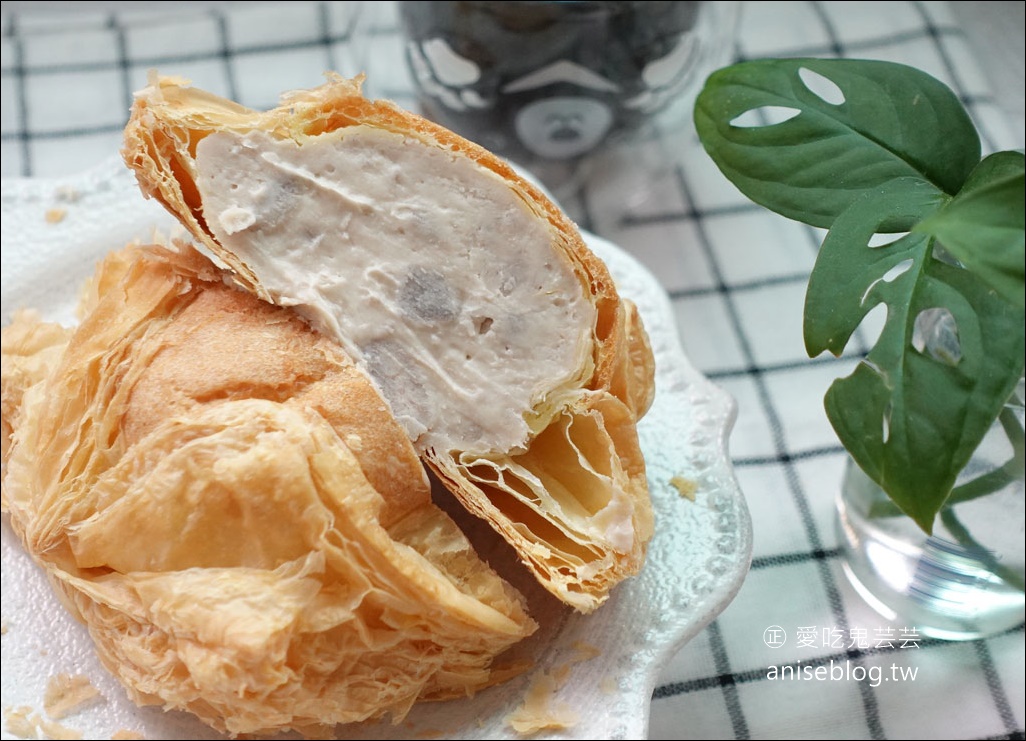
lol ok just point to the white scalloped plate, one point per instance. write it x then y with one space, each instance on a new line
696 562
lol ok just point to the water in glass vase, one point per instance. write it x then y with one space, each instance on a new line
966 580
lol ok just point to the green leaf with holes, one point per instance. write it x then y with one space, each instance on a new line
949 355
894 122
869 148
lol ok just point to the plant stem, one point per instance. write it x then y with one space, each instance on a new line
977 551
988 483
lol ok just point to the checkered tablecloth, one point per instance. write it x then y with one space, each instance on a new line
736 276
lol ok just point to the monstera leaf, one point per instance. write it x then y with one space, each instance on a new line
866 149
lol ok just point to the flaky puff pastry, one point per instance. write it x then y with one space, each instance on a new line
227 504
461 283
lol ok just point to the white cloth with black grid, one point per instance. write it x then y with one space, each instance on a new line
736 276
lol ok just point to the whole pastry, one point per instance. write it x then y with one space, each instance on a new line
496 337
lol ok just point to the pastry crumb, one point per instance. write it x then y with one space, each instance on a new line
66 193
18 721
560 674
608 686
126 734
21 721
541 709
585 651
67 693
55 215
686 487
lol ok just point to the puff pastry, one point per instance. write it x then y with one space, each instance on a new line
496 336
227 503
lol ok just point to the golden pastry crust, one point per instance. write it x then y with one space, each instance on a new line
228 505
30 349
573 498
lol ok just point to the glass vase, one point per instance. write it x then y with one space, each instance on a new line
965 581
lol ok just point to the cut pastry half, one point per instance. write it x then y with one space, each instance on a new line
496 336
226 502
